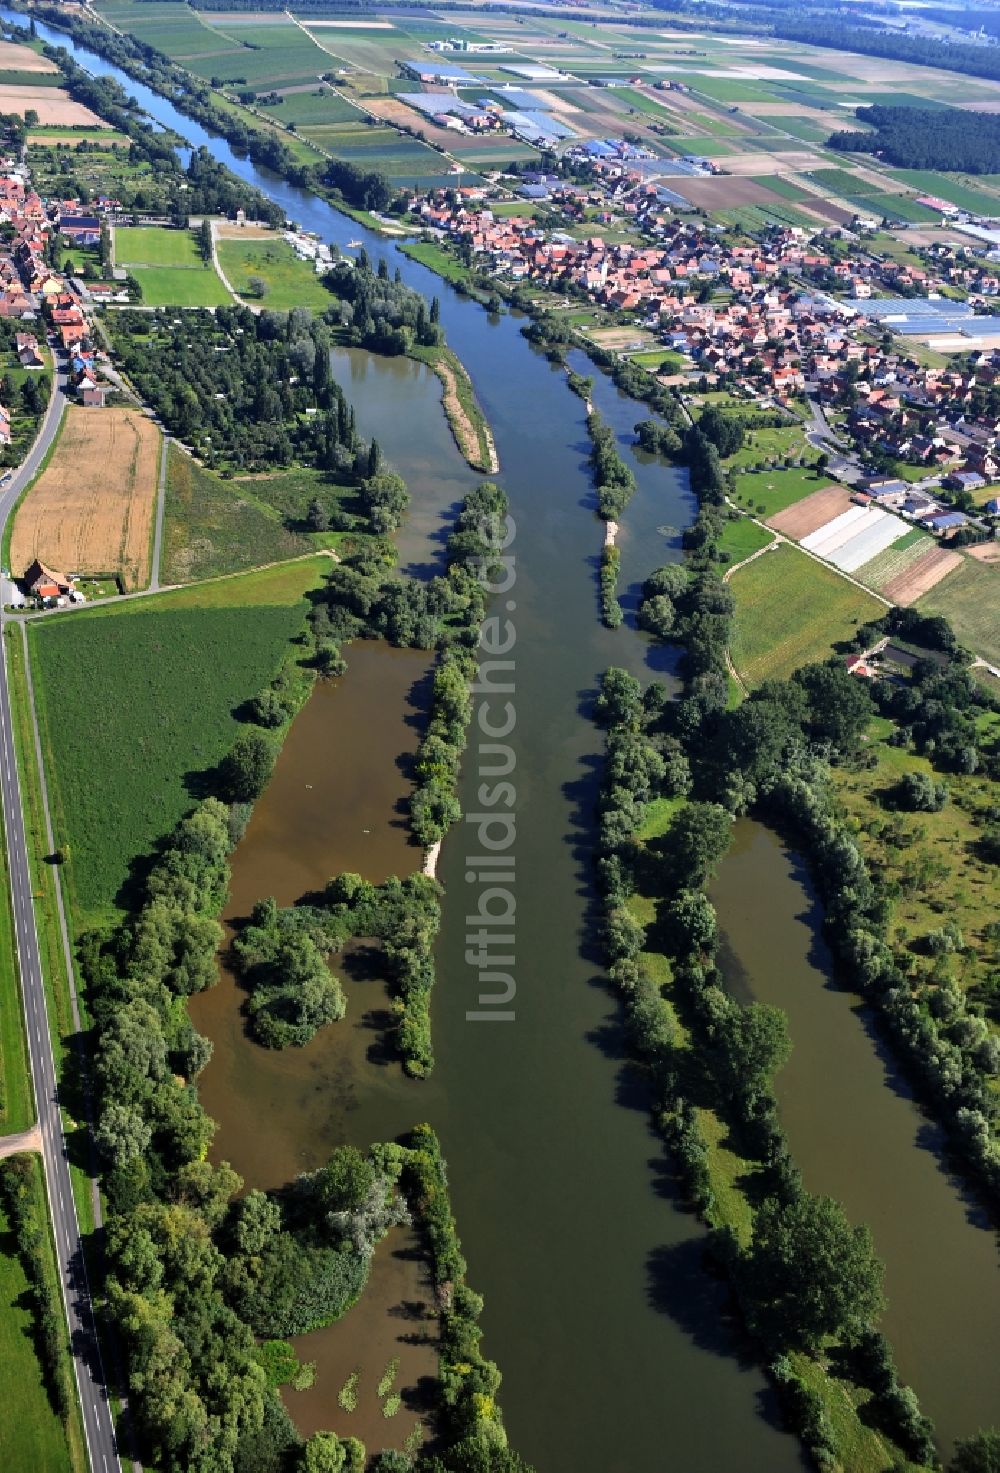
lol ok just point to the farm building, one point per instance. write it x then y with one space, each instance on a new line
44 582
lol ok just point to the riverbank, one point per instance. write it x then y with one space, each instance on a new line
468 423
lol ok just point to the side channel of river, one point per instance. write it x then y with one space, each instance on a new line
614 1344
857 1134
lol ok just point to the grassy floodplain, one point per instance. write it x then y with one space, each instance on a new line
214 526
153 685
289 282
930 860
790 611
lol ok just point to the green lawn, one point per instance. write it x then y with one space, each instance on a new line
658 358
771 443
790 611
741 538
32 1438
970 599
155 245
180 286
153 685
289 281
214 526
168 267
768 492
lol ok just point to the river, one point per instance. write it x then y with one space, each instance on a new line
615 1346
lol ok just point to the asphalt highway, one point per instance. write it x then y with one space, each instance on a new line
97 1420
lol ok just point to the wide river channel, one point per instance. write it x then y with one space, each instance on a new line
616 1347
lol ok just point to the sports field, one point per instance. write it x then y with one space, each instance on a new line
91 510
152 686
168 267
790 611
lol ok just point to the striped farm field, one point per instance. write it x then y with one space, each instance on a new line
923 575
894 561
812 512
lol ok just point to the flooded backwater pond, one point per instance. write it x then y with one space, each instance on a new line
337 801
857 1135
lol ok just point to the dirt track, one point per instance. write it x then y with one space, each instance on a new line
91 509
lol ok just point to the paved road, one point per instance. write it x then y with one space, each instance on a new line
97 1421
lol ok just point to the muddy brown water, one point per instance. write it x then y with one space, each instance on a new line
336 801
394 1320
858 1136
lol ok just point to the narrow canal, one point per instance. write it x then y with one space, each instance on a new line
614 1344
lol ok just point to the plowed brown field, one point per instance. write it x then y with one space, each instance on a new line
91 509
812 512
922 576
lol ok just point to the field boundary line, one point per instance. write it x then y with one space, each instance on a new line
161 503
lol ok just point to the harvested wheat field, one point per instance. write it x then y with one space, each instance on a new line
788 161
15 58
812 512
922 576
52 105
985 552
91 509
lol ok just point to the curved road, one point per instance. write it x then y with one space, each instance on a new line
97 1421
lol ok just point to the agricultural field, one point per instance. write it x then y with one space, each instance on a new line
790 611
91 509
947 186
918 577
168 268
152 685
214 526
891 564
32 1437
804 517
289 281
51 104
969 598
17 58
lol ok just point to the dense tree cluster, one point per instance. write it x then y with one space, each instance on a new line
380 311
248 390
21 1200
926 138
281 955
615 480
